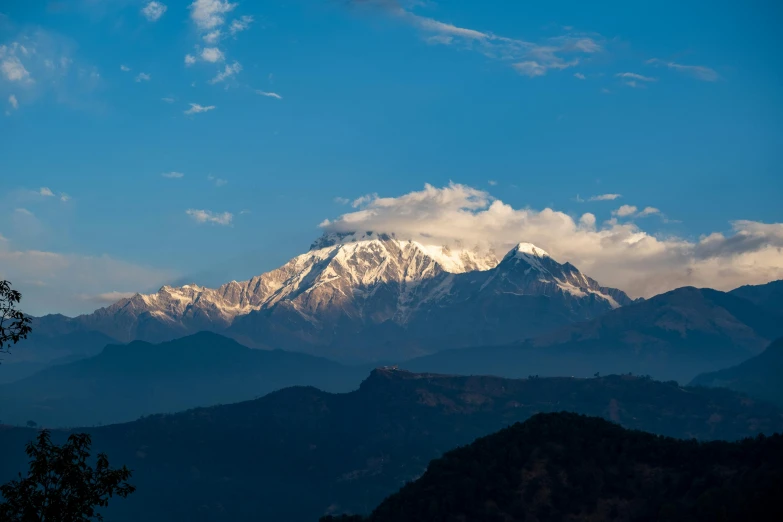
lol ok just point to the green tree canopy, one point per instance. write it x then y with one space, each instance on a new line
14 325
60 485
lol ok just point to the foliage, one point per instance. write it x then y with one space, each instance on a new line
14 325
298 453
60 485
564 466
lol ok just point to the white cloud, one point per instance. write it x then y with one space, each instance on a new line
648 211
23 212
605 197
634 77
219 182
492 182
168 100
153 11
12 101
124 68
212 54
228 72
619 255
208 14
212 36
697 71
54 282
189 60
173 175
107 298
43 63
143 77
528 58
363 200
46 191
342 201
625 211
240 24
530 68
207 216
195 108
579 76
13 69
64 197
270 94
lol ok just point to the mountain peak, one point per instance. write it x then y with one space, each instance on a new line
527 249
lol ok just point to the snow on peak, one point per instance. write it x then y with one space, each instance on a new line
528 249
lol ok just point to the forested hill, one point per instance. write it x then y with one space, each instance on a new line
564 466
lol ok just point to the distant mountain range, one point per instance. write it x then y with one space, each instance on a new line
124 382
760 377
768 296
299 453
563 466
366 297
675 335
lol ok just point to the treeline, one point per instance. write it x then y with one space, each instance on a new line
562 466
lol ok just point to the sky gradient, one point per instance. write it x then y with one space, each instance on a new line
162 142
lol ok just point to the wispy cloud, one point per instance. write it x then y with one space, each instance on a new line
124 68
46 192
143 77
240 24
697 71
195 108
189 60
13 102
228 72
269 94
208 14
219 182
630 78
492 182
107 298
212 54
528 58
168 99
579 76
35 63
605 197
207 216
12 67
341 200
212 36
153 11
173 175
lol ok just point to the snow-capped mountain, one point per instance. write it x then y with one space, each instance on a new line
370 296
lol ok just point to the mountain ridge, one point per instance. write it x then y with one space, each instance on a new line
298 453
351 292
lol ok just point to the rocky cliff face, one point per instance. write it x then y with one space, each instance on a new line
372 296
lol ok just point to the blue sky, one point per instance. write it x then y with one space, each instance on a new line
539 104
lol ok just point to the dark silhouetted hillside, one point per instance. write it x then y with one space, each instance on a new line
124 382
760 377
675 335
768 296
299 453
563 466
